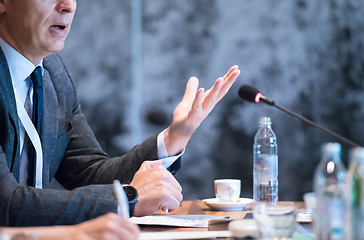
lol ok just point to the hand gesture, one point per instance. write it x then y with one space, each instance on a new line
194 108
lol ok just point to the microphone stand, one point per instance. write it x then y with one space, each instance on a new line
325 130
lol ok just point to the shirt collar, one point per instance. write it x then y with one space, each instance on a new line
20 67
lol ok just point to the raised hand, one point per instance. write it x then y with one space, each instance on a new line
194 108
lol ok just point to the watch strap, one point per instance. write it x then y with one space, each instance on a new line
132 195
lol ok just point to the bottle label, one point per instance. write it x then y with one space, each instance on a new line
336 220
266 177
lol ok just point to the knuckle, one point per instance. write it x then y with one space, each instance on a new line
110 215
165 176
164 193
180 198
174 206
160 168
109 225
135 228
104 235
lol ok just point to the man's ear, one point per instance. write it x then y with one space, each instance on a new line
2 6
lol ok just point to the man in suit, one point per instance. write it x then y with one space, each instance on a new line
31 31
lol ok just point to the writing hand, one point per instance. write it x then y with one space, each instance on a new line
157 189
107 227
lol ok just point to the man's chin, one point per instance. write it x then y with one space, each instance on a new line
54 48
58 47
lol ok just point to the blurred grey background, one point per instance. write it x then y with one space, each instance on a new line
131 60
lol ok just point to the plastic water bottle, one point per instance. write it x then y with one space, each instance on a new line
354 204
265 171
329 185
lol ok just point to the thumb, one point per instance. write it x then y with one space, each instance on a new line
146 165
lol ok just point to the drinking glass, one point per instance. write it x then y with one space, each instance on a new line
275 221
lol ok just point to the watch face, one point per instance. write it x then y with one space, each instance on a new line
131 192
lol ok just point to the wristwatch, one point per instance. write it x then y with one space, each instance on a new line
132 195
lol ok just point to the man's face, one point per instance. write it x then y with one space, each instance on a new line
36 28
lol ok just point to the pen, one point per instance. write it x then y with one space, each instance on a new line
166 210
121 199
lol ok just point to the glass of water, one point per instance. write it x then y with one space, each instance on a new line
275 221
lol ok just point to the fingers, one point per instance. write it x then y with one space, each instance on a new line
230 71
210 99
211 96
121 229
170 195
169 178
230 78
219 89
157 188
108 227
127 230
197 102
117 227
163 176
171 204
146 165
170 192
191 89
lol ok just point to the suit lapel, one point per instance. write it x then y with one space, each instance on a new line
7 102
49 124
49 120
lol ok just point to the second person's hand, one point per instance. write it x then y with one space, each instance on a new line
107 227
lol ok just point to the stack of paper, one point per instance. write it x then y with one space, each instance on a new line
176 220
183 235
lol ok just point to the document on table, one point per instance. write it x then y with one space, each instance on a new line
183 235
176 220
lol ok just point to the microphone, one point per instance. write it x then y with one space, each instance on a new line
252 94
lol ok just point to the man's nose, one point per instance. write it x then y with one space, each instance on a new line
68 6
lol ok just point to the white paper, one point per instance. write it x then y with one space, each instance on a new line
183 235
176 220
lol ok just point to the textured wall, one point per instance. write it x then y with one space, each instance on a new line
307 55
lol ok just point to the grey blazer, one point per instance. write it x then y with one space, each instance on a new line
71 154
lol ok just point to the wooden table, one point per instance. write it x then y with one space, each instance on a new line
199 207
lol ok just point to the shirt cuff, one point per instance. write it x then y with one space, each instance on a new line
167 161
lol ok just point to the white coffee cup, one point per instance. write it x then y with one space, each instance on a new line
227 190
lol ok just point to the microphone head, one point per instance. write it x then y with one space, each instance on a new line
249 94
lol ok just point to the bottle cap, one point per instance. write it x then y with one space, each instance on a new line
331 147
265 120
244 228
357 154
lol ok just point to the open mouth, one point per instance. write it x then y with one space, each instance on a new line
60 27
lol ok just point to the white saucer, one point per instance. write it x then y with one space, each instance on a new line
304 217
227 206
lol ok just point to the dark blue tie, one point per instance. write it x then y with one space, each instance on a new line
36 78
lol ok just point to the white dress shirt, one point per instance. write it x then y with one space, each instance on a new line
20 68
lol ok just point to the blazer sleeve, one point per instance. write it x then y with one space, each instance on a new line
84 161
84 169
